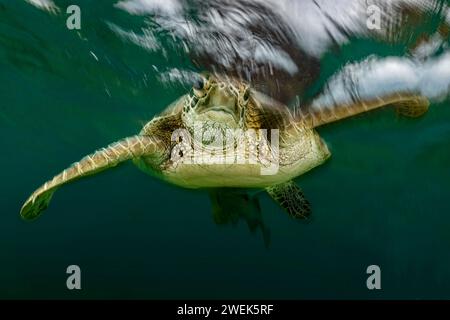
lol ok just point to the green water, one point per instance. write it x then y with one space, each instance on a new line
382 199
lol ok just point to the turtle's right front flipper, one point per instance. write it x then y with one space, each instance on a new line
103 159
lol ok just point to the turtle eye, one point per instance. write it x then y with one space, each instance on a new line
246 95
199 83
199 87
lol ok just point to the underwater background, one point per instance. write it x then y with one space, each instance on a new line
383 197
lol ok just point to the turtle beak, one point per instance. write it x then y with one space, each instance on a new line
220 101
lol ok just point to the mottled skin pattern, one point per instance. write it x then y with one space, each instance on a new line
219 104
290 197
255 111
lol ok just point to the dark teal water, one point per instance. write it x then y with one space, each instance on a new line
382 199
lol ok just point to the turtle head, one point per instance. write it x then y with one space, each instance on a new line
217 102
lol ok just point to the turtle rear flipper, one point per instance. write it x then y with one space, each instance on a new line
291 198
103 159
230 205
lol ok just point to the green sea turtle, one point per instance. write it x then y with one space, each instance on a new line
169 147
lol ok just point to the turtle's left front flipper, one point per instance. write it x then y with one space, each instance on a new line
408 105
372 84
291 198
